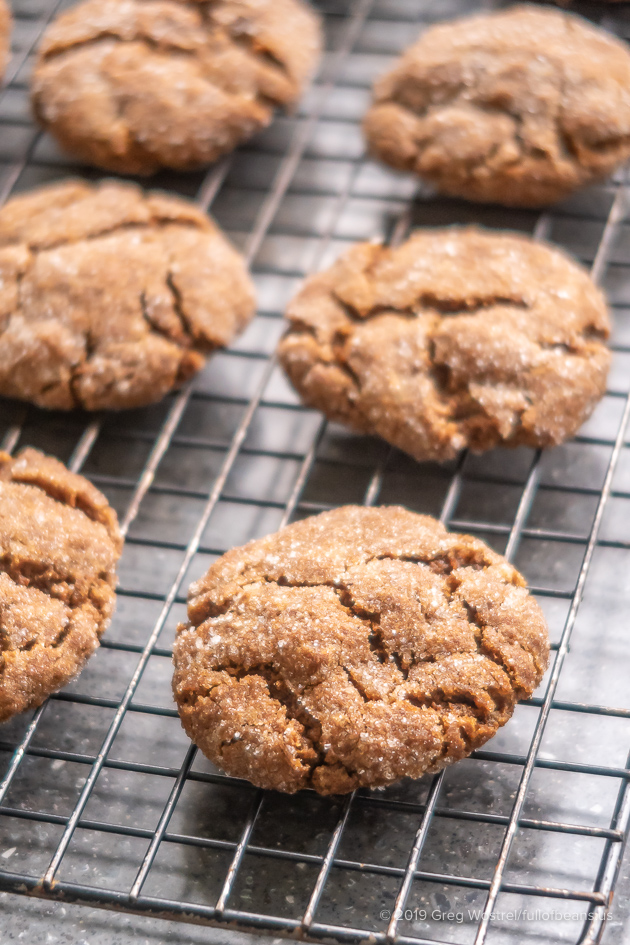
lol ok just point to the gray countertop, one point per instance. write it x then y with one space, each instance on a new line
36 922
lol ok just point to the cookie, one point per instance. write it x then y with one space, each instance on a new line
520 107
110 297
457 338
352 649
5 36
136 85
59 545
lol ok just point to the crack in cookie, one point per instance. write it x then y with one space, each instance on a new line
519 107
457 338
353 649
110 297
135 85
59 545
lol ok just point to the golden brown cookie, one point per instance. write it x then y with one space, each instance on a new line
352 649
519 107
135 85
457 338
5 36
110 297
59 545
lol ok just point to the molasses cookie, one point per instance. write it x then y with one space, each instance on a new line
135 85
5 36
457 338
519 107
110 297
352 649
59 545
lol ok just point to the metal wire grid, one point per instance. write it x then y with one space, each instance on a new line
233 456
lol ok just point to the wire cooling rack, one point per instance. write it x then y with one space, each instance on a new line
103 799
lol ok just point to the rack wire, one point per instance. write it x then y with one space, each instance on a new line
103 801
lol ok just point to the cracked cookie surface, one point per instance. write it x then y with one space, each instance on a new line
457 338
519 107
59 545
135 85
110 297
5 36
352 649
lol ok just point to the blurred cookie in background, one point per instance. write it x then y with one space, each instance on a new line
5 36
520 107
135 85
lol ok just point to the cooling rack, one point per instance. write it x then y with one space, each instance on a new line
104 802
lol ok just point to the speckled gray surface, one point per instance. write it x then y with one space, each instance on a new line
36 922
335 196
